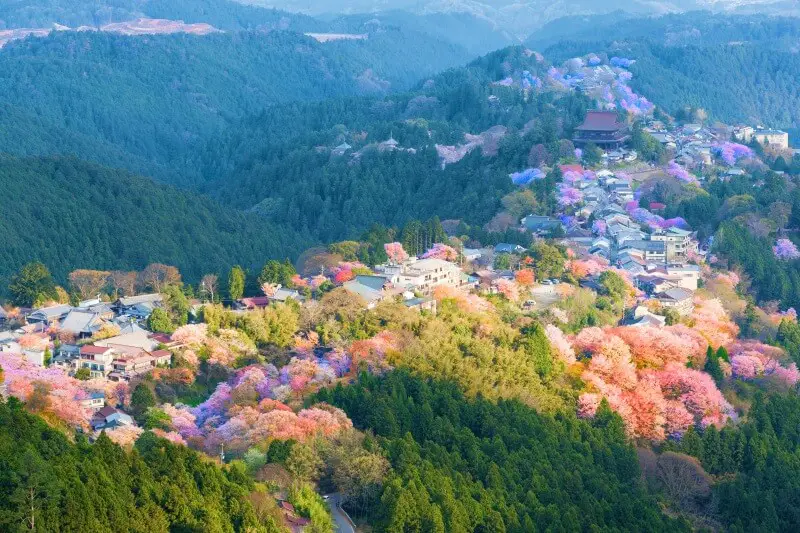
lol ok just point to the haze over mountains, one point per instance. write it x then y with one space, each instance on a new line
521 17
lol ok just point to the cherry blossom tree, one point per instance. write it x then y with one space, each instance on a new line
786 250
441 251
395 252
467 302
125 436
712 321
560 344
508 288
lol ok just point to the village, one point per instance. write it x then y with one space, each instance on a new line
601 224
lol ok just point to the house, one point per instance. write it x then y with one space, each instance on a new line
686 276
601 246
82 324
95 305
128 367
131 340
252 303
49 315
426 274
773 138
95 401
139 307
282 295
622 191
678 298
655 251
623 234
631 264
734 172
654 284
664 138
678 243
340 150
537 224
602 129
692 129
643 317
505 248
66 357
35 357
471 254
108 418
372 289
421 304
389 145
98 359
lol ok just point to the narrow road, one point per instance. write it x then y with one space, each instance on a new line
340 518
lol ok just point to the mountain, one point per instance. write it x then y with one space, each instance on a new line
71 214
224 14
147 102
521 18
687 60
283 164
698 28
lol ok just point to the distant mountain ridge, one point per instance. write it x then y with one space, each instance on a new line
521 17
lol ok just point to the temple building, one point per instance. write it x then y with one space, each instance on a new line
602 129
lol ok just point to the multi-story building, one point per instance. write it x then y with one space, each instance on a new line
423 275
678 243
98 359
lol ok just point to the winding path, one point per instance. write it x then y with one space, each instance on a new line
343 522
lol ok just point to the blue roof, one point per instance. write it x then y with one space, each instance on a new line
504 247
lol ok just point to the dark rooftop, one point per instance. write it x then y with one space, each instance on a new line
601 121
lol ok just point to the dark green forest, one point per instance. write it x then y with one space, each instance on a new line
70 214
149 102
757 464
472 465
273 163
48 483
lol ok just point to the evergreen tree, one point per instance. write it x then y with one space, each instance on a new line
236 283
32 286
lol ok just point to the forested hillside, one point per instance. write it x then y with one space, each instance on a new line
48 483
698 28
67 213
148 102
280 163
525 472
223 14
688 60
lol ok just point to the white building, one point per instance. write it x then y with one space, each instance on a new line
424 275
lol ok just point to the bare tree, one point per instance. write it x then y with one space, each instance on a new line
684 480
88 283
157 276
210 285
123 283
